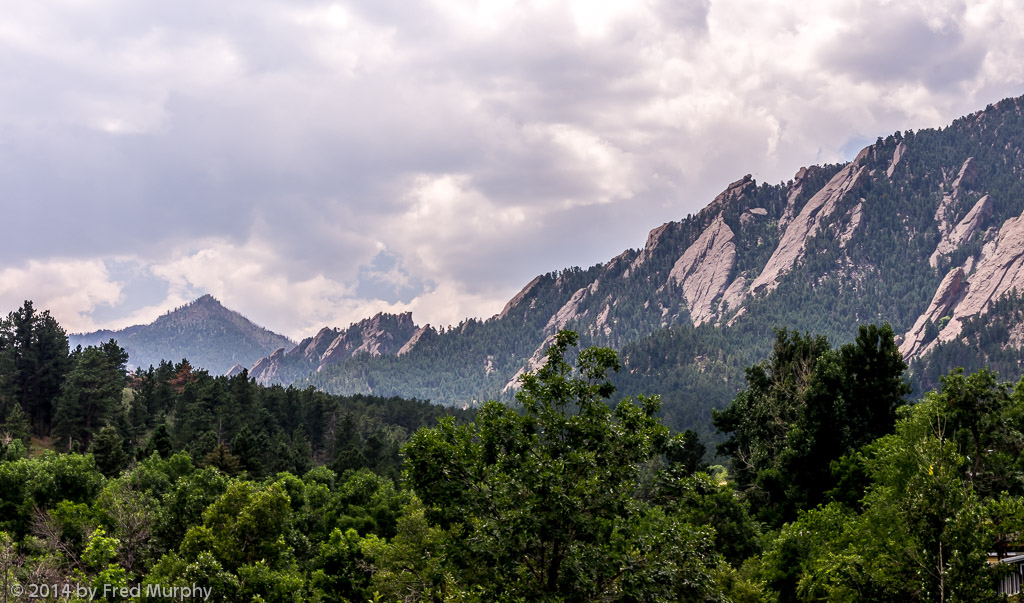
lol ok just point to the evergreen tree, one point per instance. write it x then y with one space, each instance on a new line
108 451
91 394
221 458
36 351
160 442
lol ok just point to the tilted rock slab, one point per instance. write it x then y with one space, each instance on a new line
806 224
999 270
949 292
704 269
963 231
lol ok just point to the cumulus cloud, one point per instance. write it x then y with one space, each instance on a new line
269 152
70 289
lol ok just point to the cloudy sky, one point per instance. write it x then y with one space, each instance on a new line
312 163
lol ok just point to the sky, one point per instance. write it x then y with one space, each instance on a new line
314 163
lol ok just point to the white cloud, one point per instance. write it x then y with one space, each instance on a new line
264 152
69 289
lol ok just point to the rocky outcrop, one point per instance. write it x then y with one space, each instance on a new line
316 346
856 215
653 240
946 296
806 224
794 191
897 155
266 370
519 297
752 214
945 212
535 362
703 270
655 237
966 176
568 312
382 334
1015 338
963 231
408 346
601 323
234 371
731 192
734 294
999 270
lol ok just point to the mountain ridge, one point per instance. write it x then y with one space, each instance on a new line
871 240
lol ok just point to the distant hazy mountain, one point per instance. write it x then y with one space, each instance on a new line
209 335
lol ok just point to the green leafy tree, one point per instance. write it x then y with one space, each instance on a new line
245 525
805 408
542 501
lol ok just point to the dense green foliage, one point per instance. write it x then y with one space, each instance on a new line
193 479
545 500
803 409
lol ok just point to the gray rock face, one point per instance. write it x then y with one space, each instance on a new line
519 297
946 210
653 240
409 345
970 290
749 215
704 269
856 215
734 294
314 348
963 231
794 191
999 270
733 191
897 155
567 312
805 225
946 296
382 334
265 370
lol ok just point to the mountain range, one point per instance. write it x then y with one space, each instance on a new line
923 230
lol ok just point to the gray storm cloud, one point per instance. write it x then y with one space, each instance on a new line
313 162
